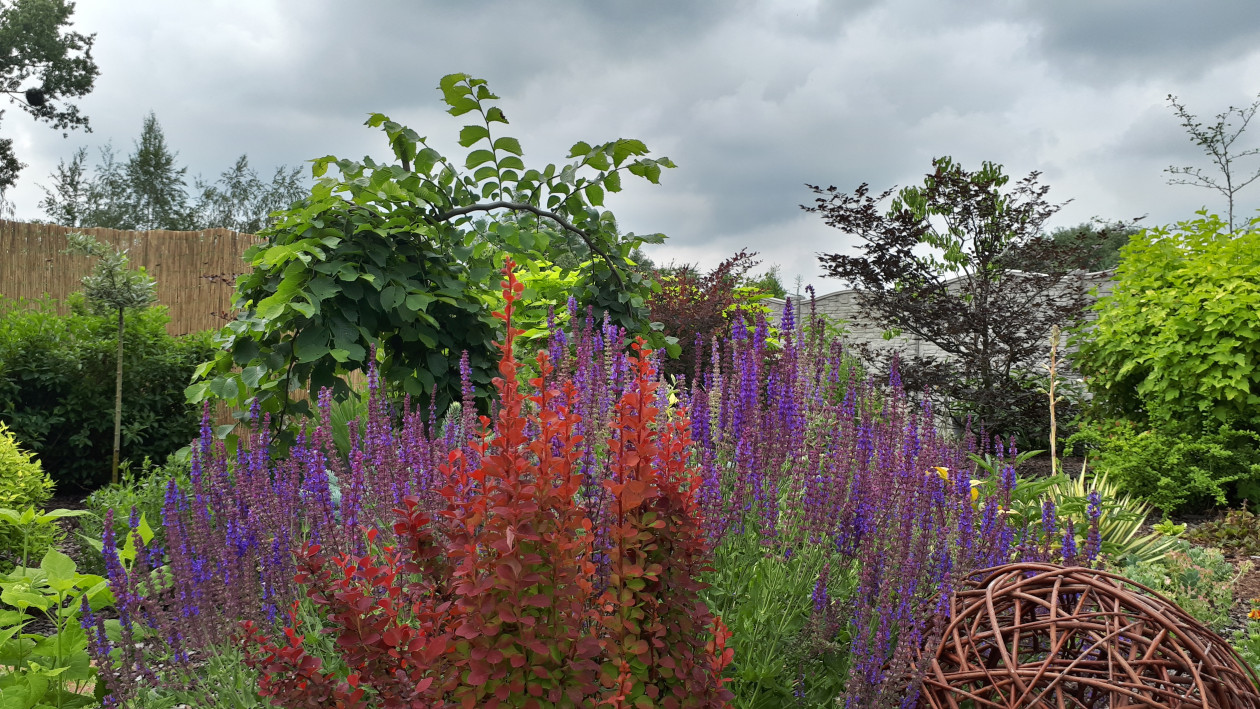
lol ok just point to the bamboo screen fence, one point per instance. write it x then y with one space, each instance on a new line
195 270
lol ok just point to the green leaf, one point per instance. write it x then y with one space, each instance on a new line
425 160
579 149
478 157
595 195
472 134
22 598
612 182
252 375
598 160
508 145
625 148
51 515
59 567
310 344
419 301
461 106
495 115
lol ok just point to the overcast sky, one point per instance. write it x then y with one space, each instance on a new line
751 99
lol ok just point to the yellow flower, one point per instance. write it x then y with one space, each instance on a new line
975 484
1254 614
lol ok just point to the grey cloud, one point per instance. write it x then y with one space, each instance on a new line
1119 40
751 98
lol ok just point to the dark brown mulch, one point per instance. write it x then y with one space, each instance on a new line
1039 466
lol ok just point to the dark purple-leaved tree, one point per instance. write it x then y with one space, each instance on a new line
932 266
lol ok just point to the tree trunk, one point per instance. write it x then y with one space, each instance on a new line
113 476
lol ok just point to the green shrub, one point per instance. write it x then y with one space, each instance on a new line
1198 579
1175 472
1176 344
23 484
57 386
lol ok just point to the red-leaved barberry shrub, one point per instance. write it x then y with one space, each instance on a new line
497 600
694 306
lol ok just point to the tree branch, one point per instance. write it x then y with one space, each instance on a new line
538 211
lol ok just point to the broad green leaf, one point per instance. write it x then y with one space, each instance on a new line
612 182
508 145
625 148
595 194
252 375
419 301
21 597
61 514
472 134
58 566
310 344
477 157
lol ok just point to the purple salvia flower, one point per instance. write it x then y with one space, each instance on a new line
1049 526
1069 543
1093 540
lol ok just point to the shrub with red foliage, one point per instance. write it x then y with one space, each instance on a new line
493 600
694 306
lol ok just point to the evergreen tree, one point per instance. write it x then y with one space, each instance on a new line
147 190
155 184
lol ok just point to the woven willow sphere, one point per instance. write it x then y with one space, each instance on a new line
1041 635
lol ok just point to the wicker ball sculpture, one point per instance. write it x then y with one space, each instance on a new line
1041 635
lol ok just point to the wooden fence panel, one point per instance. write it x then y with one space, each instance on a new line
195 270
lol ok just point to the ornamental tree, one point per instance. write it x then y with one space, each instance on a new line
992 325
696 307
113 287
402 254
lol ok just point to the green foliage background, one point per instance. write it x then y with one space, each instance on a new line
404 256
1174 471
23 483
1177 343
57 386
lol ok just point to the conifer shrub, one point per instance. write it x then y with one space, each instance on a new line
1174 471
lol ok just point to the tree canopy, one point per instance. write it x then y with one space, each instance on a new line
149 190
402 256
43 66
993 324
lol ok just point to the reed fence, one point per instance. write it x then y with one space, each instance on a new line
195 270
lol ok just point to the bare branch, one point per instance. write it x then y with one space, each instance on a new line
537 211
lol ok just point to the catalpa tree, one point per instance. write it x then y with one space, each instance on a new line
403 255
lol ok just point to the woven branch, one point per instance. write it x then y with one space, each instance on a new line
1041 635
